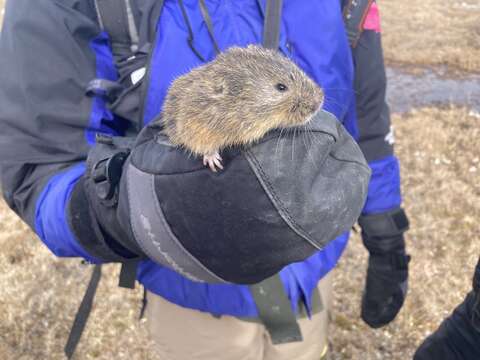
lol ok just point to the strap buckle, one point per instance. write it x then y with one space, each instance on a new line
109 90
106 175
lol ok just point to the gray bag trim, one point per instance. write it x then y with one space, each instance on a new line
155 236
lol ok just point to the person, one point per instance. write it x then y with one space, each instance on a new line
458 336
53 50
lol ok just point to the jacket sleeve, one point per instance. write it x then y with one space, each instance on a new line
373 120
50 51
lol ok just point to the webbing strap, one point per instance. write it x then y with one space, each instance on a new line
128 274
116 18
148 24
354 13
275 311
83 312
208 22
271 28
273 305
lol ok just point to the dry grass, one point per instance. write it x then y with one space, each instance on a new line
432 32
40 295
440 161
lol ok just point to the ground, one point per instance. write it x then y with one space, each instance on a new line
440 159
432 33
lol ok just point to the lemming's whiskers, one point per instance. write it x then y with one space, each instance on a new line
279 139
308 147
293 142
340 89
332 100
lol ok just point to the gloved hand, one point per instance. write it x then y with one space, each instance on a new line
458 337
387 274
146 199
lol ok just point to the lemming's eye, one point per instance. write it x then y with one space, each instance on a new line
281 87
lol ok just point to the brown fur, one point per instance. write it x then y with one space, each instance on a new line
234 100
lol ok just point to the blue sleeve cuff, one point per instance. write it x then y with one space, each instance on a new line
51 222
384 192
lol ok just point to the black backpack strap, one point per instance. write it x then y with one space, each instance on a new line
271 27
273 305
83 312
128 274
208 22
275 311
127 280
355 13
148 25
116 17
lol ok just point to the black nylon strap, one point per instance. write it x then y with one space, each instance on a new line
317 306
148 24
275 311
83 312
208 22
271 28
354 13
116 18
273 305
128 274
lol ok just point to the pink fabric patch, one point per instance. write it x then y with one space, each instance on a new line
372 21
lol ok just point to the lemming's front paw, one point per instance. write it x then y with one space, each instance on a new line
213 161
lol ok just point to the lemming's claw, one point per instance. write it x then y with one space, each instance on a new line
213 161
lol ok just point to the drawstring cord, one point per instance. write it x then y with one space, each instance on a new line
208 22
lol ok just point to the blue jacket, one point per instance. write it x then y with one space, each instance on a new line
37 184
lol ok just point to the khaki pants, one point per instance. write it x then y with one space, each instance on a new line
185 334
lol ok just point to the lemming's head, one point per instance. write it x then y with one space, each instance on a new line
271 85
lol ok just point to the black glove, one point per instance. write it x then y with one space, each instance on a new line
458 337
146 199
387 274
94 203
